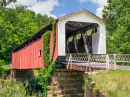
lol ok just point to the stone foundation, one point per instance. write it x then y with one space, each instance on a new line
23 74
66 83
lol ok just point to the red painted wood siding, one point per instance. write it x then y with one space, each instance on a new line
28 57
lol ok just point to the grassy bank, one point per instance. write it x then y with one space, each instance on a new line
20 88
115 83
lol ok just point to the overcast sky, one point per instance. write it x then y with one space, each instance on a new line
58 8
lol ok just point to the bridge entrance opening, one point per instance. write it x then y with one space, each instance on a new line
79 36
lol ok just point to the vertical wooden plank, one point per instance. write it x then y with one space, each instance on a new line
17 61
37 53
21 56
26 57
39 57
32 56
29 58
13 58
34 53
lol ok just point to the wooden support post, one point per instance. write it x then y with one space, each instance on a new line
68 46
70 60
115 61
75 43
85 42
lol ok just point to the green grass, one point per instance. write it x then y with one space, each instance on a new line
115 83
11 89
26 88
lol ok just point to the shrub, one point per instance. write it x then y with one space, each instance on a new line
2 62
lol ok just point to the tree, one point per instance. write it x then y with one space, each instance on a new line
6 2
16 26
117 14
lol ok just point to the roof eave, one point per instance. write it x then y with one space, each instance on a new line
32 36
80 11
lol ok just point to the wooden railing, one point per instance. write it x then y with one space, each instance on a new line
98 58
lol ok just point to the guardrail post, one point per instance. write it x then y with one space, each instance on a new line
115 61
70 60
107 62
89 62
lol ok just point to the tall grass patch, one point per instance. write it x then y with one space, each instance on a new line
115 83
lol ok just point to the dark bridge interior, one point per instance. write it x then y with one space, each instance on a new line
79 36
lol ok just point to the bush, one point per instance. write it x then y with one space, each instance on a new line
4 70
2 62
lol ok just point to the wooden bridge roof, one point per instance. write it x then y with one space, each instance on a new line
84 11
73 27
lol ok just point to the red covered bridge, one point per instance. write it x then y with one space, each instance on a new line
28 55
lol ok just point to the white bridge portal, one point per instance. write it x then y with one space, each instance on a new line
90 29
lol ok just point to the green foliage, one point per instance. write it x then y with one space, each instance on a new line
89 32
95 91
46 48
88 85
46 74
117 14
2 62
4 70
20 88
16 26
78 36
54 41
6 2
70 38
